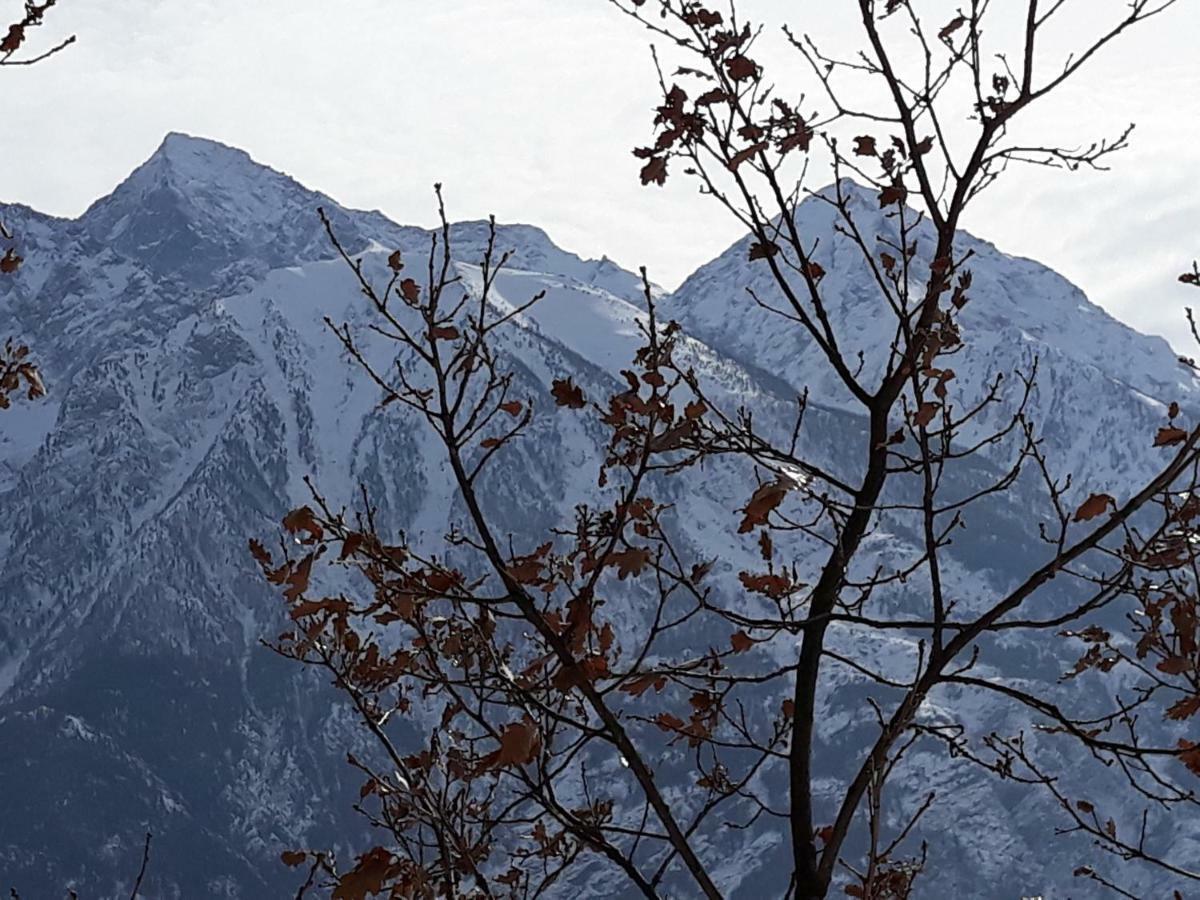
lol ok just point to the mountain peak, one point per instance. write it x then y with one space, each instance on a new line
197 205
181 139
186 164
207 174
1019 308
182 152
853 192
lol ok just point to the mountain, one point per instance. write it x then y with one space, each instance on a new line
1019 311
179 324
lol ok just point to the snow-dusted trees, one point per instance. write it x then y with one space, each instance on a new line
555 733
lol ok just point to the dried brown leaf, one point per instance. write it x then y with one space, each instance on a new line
1167 436
567 393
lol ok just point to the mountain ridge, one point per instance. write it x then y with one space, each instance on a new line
194 385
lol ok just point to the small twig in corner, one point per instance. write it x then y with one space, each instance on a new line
137 885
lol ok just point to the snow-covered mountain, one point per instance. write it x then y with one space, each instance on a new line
193 385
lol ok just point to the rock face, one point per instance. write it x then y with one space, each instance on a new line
194 385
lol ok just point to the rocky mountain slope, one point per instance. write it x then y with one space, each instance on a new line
194 385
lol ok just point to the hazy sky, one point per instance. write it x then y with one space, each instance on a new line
529 108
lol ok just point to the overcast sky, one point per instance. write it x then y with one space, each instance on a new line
529 108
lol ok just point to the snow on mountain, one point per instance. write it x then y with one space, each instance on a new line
194 384
1020 310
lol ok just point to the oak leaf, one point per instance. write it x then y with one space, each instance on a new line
768 496
440 581
567 393
702 17
772 585
1093 506
741 67
654 378
1189 755
673 438
607 637
864 145
742 155
10 262
308 608
1169 435
368 877
630 561
759 250
954 24
259 552
643 683
892 194
351 545
925 413
304 519
668 722
655 171
1174 665
520 743
12 40
716 95
511 878
1185 708
526 570
410 290
33 378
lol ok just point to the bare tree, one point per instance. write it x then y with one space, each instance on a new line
538 689
16 368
